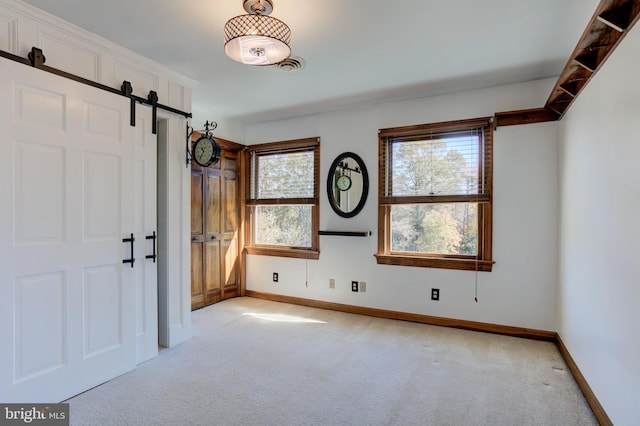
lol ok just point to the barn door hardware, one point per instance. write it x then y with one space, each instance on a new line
131 259
153 237
153 101
127 90
36 59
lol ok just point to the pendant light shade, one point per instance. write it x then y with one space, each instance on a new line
257 39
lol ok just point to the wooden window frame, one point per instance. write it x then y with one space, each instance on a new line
483 261
297 145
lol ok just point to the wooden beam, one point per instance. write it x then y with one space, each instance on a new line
525 116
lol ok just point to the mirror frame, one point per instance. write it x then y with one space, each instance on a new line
365 184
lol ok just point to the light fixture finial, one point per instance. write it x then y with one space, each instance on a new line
258 7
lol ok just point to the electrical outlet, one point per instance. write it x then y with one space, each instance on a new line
435 294
332 283
275 277
354 286
363 287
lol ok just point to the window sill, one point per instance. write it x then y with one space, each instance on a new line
284 252
435 262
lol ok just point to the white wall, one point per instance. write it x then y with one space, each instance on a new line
229 129
599 288
521 290
72 49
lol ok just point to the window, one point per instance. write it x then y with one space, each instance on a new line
435 186
282 200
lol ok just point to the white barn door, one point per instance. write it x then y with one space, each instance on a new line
67 199
146 244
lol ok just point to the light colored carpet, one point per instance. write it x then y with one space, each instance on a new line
256 362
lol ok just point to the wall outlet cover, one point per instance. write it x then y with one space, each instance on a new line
275 277
363 286
435 294
354 286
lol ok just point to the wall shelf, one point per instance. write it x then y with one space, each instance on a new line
610 23
346 233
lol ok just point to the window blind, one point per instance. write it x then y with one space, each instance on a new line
448 164
284 175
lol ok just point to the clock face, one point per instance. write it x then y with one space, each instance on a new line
203 151
343 182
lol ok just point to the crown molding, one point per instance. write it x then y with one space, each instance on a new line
93 41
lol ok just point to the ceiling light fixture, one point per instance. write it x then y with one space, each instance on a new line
257 39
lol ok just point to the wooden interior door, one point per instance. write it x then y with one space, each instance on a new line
214 231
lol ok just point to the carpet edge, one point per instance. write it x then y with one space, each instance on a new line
527 333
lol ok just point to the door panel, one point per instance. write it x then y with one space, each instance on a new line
103 197
38 105
212 272
102 290
145 226
231 275
197 190
230 257
212 212
197 238
67 302
230 262
40 175
231 196
216 277
197 278
41 344
212 266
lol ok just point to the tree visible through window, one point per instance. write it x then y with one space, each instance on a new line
288 226
282 205
435 206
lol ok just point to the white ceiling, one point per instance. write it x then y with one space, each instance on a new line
356 51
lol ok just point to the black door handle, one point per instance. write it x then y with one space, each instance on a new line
131 259
152 237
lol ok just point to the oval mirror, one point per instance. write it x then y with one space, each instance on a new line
347 184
